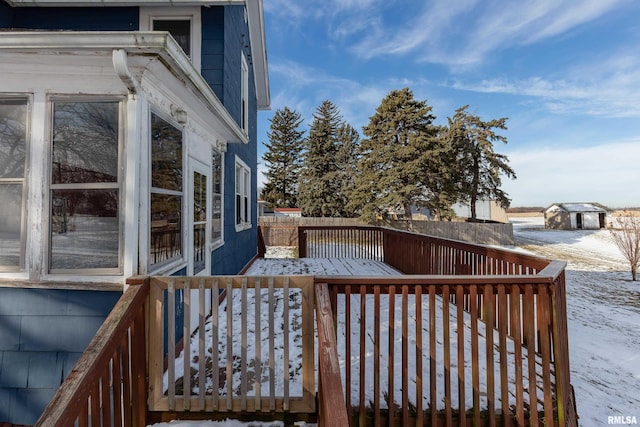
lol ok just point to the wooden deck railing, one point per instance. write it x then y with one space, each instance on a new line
413 253
238 352
107 386
472 335
444 361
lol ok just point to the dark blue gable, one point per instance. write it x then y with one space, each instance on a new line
212 59
43 332
6 15
76 18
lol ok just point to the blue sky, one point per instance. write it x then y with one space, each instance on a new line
565 72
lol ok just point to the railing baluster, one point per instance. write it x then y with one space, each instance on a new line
475 367
362 355
171 343
347 355
391 377
446 316
186 334
530 343
461 343
258 341
405 355
215 352
504 362
201 345
418 373
432 355
515 315
229 378
489 314
376 355
272 373
285 297
243 345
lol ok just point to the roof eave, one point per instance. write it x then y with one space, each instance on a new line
134 43
255 13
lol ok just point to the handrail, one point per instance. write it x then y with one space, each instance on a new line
413 253
110 374
332 410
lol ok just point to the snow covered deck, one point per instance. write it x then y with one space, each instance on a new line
320 267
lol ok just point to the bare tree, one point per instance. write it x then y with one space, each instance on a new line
625 233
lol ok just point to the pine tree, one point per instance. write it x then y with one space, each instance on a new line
478 166
346 167
283 159
401 157
318 193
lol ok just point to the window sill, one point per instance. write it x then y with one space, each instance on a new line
243 227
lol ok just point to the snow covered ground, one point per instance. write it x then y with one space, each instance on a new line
603 307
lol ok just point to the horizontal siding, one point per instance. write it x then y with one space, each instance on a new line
212 60
43 332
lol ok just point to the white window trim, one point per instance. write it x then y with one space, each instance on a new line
243 225
193 14
197 166
216 243
177 263
75 272
21 181
244 100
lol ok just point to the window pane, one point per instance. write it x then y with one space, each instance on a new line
216 218
166 227
166 155
216 170
238 209
199 245
10 224
13 119
84 229
199 197
180 30
85 142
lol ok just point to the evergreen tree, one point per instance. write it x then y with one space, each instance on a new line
283 159
318 193
401 157
346 167
478 166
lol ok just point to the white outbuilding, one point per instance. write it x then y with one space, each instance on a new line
575 216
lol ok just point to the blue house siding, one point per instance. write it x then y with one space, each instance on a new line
212 58
76 18
226 34
37 349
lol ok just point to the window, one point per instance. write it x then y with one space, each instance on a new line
184 25
216 197
243 198
84 232
13 137
244 121
166 192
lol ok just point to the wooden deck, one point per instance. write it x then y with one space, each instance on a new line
320 267
493 328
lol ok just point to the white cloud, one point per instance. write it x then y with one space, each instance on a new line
465 32
607 173
608 87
